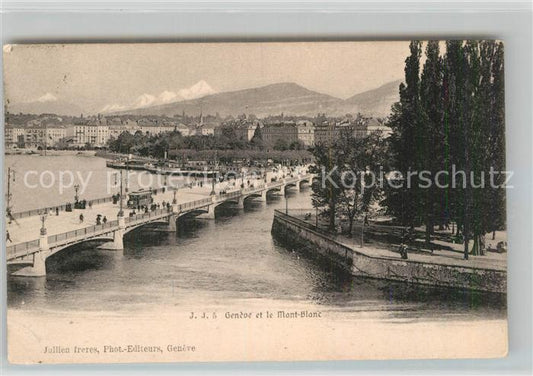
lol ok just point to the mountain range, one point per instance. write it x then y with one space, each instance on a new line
376 102
198 90
287 97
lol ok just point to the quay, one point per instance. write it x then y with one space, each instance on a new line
443 268
33 240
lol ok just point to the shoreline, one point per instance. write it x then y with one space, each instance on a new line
478 274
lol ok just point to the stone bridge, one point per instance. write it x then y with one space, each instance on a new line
31 256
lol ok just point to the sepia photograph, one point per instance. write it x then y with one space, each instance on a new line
255 201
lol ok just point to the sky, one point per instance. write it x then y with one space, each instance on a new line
100 77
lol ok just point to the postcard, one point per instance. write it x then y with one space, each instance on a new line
265 201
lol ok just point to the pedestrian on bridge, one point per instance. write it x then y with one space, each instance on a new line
8 237
104 220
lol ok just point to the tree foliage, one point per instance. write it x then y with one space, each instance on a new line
348 170
450 118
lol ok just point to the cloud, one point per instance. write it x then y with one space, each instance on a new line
198 90
48 97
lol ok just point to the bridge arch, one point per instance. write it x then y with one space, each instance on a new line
307 181
280 188
292 184
192 213
139 225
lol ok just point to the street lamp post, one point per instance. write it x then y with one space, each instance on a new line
76 189
212 193
127 172
10 173
43 219
362 232
215 173
286 202
120 211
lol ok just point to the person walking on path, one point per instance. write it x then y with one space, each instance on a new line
81 218
8 237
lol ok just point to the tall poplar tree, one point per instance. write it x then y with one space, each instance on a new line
433 134
451 120
407 143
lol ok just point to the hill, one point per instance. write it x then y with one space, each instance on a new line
289 98
376 102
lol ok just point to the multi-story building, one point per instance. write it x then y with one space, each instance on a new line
92 134
14 136
155 129
206 130
375 125
193 131
34 137
116 130
273 134
325 133
40 136
166 128
328 132
306 132
246 131
57 133
183 129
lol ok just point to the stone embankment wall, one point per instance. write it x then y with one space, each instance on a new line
300 234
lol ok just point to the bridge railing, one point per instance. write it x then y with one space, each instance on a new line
253 189
21 249
142 217
225 196
277 183
52 209
103 200
90 230
194 204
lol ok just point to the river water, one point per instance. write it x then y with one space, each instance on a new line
230 261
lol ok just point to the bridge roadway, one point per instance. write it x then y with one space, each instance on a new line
30 247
